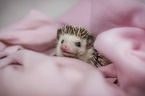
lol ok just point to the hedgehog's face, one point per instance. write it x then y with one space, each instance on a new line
71 46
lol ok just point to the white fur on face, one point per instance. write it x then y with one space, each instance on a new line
69 41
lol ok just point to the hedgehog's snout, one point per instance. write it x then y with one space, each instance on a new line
64 47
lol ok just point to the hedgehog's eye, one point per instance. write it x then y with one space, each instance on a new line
78 44
62 41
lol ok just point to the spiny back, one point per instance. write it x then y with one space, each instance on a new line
77 31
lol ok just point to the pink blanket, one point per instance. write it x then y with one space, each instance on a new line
119 27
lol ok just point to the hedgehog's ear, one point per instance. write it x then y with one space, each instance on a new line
59 32
90 41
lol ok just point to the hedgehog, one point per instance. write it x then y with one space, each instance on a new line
77 42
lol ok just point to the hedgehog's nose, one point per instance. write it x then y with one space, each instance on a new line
63 47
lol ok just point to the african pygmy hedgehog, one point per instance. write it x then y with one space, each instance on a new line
76 42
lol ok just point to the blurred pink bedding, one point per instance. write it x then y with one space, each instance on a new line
119 27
